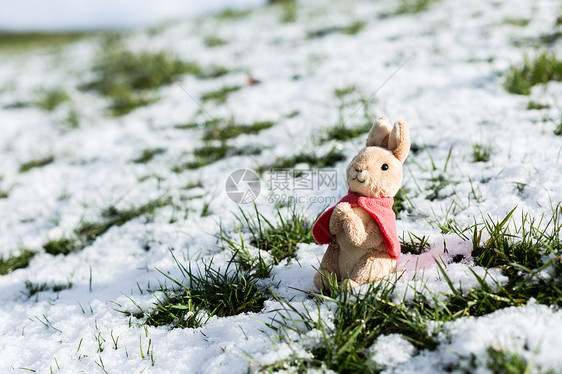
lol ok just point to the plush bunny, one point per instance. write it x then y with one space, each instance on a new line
361 228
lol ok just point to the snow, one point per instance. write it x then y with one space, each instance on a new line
450 92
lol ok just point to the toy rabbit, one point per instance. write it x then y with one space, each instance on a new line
361 228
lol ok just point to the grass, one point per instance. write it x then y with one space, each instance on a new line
278 238
148 154
220 95
201 294
343 133
87 232
350 29
518 246
410 7
210 153
34 288
534 105
414 244
359 319
14 262
519 22
233 14
36 163
542 69
63 246
501 361
481 152
130 78
289 11
400 201
223 130
558 127
49 100
42 40
214 41
112 216
313 159
439 179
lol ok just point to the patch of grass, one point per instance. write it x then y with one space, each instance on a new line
351 29
558 128
481 152
519 22
313 159
288 11
534 105
130 79
220 95
550 38
254 264
521 251
343 92
204 156
148 154
34 288
279 239
439 179
414 244
410 7
17 105
505 362
63 246
343 133
51 99
233 13
210 153
513 246
202 294
37 163
89 231
358 320
223 130
4 194
42 40
72 120
14 262
192 185
542 69
400 201
213 41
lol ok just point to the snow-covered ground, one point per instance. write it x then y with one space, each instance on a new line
446 67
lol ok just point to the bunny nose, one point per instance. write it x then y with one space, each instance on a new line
362 175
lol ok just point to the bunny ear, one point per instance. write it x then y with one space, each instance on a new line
399 140
378 136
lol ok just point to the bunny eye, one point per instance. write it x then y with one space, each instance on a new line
384 167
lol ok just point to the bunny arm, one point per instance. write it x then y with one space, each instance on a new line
338 215
371 267
346 220
328 267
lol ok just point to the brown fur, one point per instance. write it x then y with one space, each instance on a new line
358 254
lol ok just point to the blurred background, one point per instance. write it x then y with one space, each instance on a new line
69 15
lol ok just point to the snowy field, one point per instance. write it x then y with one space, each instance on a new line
103 188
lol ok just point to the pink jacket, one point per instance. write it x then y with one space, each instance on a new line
380 210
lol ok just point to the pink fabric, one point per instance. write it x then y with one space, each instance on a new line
380 210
